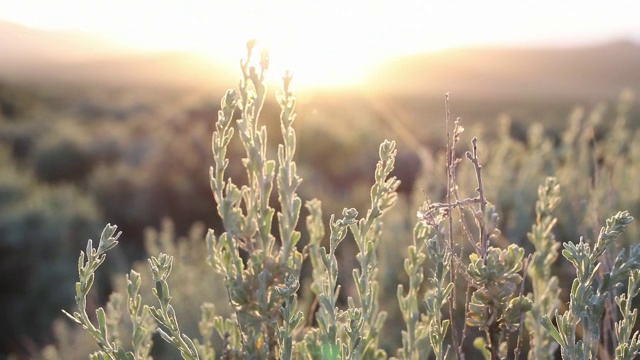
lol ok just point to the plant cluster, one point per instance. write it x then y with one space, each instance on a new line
456 245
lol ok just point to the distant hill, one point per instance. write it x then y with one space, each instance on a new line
595 72
34 55
163 70
564 73
21 43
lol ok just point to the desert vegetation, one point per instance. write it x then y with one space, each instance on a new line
511 243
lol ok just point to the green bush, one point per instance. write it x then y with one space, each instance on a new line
465 280
63 156
41 227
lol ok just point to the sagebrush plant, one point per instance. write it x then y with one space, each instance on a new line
545 296
456 244
590 290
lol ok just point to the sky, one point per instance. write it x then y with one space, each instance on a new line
332 39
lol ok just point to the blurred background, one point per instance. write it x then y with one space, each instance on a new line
107 110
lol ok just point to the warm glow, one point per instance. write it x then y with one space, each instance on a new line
329 42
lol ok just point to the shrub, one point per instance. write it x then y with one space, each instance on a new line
40 228
63 155
456 245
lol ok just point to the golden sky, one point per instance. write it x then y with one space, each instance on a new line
332 41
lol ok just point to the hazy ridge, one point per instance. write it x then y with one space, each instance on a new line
591 72
34 55
596 71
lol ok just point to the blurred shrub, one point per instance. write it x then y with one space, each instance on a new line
15 101
160 172
21 137
41 228
63 154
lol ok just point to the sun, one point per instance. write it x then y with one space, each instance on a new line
324 43
323 46
330 43
315 65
